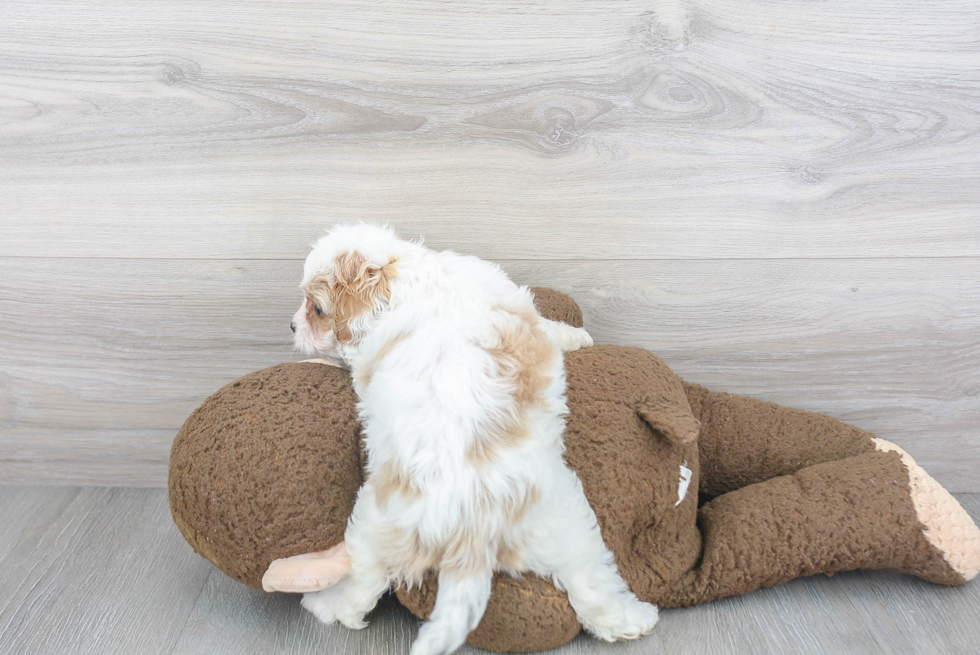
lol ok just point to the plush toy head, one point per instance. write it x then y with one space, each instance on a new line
269 467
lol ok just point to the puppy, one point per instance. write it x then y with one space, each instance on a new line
461 394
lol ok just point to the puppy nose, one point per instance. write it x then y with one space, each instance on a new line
292 325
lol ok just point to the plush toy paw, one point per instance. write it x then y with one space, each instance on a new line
626 619
947 525
332 605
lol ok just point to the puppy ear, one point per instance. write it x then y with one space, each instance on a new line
359 289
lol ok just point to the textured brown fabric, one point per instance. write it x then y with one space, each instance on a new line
629 470
523 615
744 440
557 306
269 467
837 516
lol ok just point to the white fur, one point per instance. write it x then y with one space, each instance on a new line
424 404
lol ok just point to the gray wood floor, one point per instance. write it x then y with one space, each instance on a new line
104 570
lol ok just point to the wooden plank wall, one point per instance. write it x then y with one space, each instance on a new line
781 198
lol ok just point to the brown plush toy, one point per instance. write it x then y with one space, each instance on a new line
269 466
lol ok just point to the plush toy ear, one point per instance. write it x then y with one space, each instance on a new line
359 288
672 419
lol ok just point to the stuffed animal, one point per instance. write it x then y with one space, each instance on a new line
699 495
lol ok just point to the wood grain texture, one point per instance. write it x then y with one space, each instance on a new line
229 618
780 198
98 371
97 571
625 129
105 571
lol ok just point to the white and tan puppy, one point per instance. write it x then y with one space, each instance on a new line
461 389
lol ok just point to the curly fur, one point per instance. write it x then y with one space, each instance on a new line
461 389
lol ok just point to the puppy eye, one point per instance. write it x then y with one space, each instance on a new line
319 312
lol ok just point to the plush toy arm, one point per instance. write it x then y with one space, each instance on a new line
325 362
308 572
872 511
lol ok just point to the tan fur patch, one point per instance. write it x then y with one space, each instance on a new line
405 553
364 376
466 552
317 291
485 446
411 558
390 480
355 289
358 288
520 509
470 549
514 510
316 296
509 558
523 357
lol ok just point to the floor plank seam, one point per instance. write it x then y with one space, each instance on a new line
190 610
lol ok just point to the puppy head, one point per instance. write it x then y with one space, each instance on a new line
347 280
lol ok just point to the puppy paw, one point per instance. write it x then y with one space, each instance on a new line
331 605
353 620
628 619
322 604
640 619
576 338
437 639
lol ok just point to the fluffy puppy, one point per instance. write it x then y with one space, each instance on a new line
461 393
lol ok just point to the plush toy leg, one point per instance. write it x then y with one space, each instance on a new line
745 440
308 572
872 511
948 528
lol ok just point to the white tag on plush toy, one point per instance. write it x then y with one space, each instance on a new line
684 483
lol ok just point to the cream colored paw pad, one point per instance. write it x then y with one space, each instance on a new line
948 527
